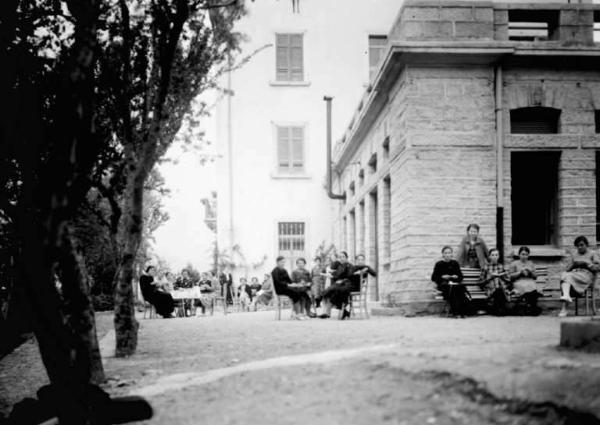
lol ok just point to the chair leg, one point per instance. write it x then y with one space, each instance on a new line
576 306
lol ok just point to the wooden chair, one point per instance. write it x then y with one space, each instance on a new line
278 303
149 308
588 295
358 300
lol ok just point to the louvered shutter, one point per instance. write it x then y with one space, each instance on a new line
283 57
283 149
296 58
297 148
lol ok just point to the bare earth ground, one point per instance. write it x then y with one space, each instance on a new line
247 368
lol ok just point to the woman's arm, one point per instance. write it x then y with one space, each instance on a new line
513 273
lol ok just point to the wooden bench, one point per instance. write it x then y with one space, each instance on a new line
471 281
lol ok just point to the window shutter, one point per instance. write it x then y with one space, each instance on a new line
297 148
283 57
296 58
283 149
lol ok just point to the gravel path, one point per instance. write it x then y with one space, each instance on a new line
247 368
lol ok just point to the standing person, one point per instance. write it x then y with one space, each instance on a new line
581 270
472 251
283 286
523 276
336 295
161 300
226 282
493 280
448 278
317 278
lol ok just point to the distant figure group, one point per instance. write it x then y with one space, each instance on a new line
500 284
308 291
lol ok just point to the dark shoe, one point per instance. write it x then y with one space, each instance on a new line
324 316
312 315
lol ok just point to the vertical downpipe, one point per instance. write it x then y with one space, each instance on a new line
230 151
499 161
330 193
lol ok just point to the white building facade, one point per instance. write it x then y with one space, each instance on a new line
271 128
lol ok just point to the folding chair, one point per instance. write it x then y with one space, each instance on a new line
588 295
149 308
278 302
358 299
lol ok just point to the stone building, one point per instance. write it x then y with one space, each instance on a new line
480 112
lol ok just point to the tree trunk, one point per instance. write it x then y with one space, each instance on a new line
79 308
126 326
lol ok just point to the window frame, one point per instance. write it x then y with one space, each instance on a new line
542 109
288 78
289 254
290 171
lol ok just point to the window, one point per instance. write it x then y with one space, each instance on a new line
291 241
596 26
387 218
352 234
289 57
532 25
373 164
361 177
386 147
351 189
377 44
361 229
598 198
534 177
597 120
290 150
534 120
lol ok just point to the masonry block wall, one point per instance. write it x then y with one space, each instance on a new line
428 20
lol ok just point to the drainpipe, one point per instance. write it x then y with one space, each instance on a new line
499 161
332 195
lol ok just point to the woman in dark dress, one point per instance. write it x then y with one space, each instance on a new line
494 281
297 293
336 295
472 251
448 277
161 300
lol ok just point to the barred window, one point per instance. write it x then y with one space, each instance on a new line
291 241
534 120
289 57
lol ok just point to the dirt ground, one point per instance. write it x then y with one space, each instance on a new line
247 368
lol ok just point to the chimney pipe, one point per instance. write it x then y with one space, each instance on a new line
332 195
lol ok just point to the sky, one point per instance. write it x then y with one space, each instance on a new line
184 238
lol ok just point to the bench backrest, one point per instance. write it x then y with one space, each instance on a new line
471 279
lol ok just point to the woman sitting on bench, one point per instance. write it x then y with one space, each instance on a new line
448 277
493 280
523 276
580 273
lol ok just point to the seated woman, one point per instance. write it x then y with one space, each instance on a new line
448 277
254 287
472 251
582 267
336 295
244 293
207 292
317 278
523 276
265 293
283 286
301 277
161 300
493 280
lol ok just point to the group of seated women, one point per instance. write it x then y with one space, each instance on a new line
307 289
500 284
